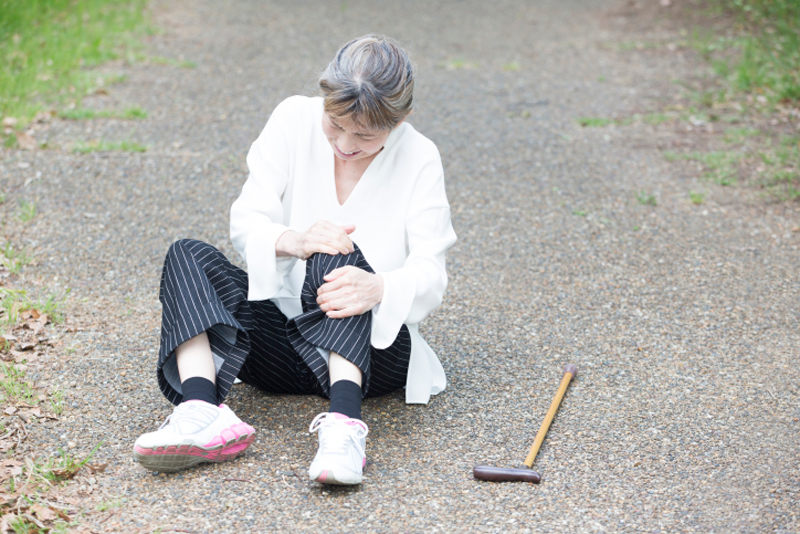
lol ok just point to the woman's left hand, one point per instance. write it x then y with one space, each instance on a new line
349 291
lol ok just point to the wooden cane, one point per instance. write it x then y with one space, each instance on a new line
525 473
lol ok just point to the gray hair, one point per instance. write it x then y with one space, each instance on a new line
370 81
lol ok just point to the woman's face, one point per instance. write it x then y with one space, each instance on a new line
351 142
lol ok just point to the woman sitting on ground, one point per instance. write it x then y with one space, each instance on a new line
343 223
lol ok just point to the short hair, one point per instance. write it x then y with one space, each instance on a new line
370 81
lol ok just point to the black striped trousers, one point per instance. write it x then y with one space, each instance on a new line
201 291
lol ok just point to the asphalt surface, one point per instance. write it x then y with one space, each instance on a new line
682 318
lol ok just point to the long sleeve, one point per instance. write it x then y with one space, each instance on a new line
417 288
257 216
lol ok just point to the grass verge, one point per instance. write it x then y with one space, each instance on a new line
108 146
85 114
47 48
763 58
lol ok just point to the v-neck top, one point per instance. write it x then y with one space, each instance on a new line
399 208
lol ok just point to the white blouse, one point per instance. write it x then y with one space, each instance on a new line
399 209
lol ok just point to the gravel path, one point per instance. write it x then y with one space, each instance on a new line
683 319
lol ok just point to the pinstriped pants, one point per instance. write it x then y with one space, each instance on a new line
201 291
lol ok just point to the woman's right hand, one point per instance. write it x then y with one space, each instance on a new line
323 236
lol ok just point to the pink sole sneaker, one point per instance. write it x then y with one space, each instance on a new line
169 458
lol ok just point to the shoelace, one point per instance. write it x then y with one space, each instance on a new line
177 411
338 433
177 415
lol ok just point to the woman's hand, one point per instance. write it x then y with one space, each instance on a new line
349 291
323 236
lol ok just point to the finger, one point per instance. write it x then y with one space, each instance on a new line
344 312
337 273
349 228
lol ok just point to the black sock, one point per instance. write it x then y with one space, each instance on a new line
346 398
199 388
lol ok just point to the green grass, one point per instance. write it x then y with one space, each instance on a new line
181 63
763 58
27 211
15 301
85 114
108 146
696 197
595 122
513 66
108 505
781 168
48 47
15 388
646 199
738 135
14 258
720 165
655 118
599 122
57 401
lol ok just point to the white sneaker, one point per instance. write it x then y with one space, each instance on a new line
342 449
195 432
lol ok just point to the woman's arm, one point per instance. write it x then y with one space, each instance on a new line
410 293
257 216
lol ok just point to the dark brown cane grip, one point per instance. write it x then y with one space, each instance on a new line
571 368
500 474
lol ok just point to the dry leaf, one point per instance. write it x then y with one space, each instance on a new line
26 346
18 356
26 141
10 410
44 513
44 116
97 468
36 326
5 523
10 468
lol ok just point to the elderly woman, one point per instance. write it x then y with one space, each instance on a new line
343 224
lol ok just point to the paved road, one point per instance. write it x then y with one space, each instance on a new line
683 319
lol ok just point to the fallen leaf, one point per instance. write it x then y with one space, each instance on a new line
26 141
10 410
26 346
44 116
10 468
6 521
36 326
18 356
97 468
44 513
10 122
